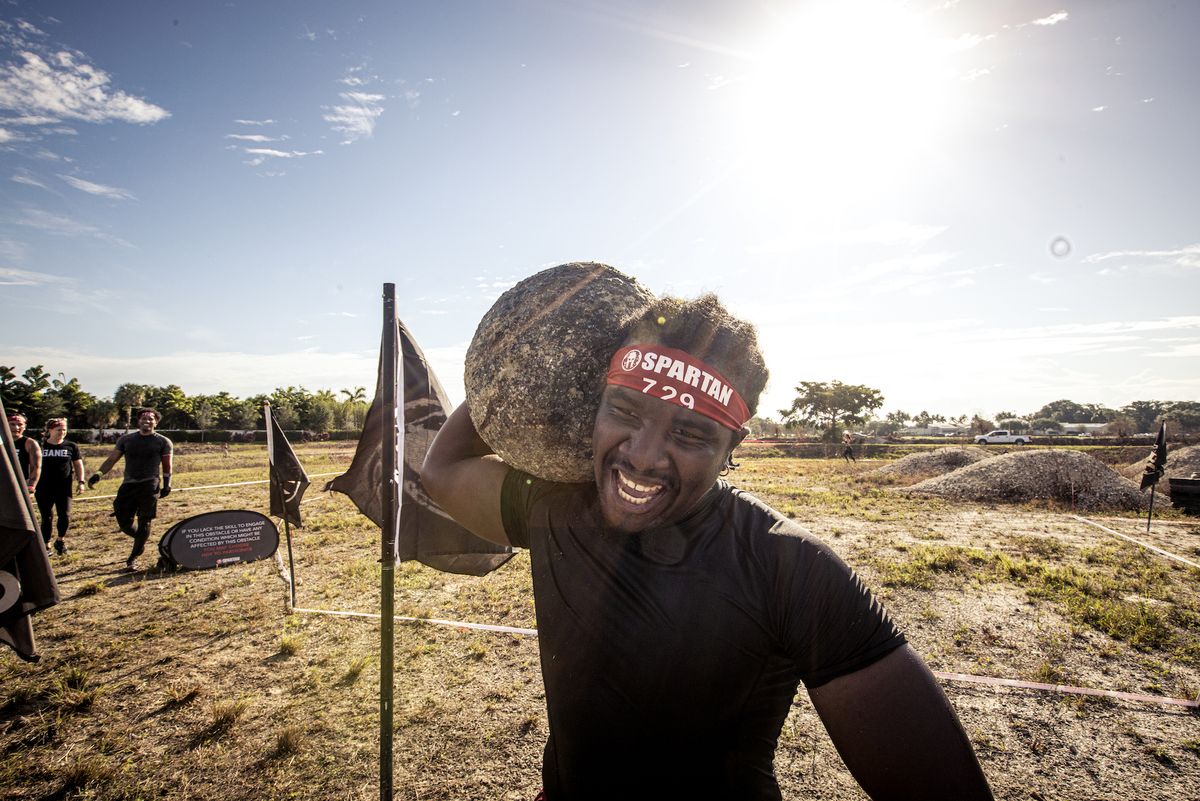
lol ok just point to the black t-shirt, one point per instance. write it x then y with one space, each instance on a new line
22 445
671 657
57 460
143 455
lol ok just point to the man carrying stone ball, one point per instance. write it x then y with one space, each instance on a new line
676 614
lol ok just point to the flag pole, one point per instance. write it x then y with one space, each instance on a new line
278 489
1151 512
387 578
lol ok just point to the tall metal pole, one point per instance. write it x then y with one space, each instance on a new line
1150 513
277 487
387 576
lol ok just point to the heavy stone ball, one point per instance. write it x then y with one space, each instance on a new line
536 367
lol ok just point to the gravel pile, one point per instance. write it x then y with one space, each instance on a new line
1180 464
1068 477
934 463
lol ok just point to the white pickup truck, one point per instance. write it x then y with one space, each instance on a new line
1001 438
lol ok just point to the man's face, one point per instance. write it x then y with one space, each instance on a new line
653 460
17 425
147 422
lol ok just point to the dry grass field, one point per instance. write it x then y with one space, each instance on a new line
201 685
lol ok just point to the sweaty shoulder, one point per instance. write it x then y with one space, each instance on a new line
823 615
167 445
763 526
526 500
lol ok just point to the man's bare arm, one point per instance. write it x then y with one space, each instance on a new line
35 461
897 732
113 457
465 478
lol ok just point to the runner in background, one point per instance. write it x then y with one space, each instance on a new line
145 451
28 451
62 472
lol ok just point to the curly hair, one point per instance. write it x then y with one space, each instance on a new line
704 328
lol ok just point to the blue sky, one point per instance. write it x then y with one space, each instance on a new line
971 206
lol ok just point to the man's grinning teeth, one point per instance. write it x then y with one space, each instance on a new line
625 496
653 489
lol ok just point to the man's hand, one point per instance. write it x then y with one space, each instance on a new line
166 486
93 480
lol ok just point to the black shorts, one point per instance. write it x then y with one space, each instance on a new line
139 499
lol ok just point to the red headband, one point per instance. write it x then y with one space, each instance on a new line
680 378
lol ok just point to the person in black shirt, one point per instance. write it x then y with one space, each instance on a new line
145 452
677 615
62 471
29 454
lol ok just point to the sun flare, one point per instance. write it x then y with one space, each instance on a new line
841 98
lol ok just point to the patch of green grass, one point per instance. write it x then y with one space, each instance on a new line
355 668
1161 755
225 714
290 643
288 741
920 564
1048 673
86 772
182 692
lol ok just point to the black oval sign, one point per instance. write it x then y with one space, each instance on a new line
215 539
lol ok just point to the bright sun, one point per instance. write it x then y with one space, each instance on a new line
841 98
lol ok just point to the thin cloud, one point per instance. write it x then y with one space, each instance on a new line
258 138
261 154
111 192
43 85
28 180
356 118
59 225
1187 257
255 122
1099 108
1053 19
11 276
965 41
356 76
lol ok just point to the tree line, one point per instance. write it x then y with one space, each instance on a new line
833 407
42 396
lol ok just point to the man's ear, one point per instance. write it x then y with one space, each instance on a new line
738 437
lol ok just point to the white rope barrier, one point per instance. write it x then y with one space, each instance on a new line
1135 541
1063 688
207 487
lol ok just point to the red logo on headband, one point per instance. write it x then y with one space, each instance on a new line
680 378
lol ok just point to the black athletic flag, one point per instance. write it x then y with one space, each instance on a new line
426 533
1156 464
288 479
26 580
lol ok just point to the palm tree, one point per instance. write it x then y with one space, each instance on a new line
359 394
127 396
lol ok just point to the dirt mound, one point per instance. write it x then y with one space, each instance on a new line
1067 477
935 462
1180 464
